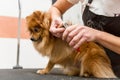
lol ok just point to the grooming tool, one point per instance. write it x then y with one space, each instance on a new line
65 25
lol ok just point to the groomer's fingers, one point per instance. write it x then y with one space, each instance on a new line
77 38
75 34
56 30
67 31
82 40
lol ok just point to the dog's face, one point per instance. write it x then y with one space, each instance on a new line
38 24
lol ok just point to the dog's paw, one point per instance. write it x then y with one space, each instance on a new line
85 75
42 71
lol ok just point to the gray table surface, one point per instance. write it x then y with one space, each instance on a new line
30 74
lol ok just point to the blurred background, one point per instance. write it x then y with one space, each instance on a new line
9 17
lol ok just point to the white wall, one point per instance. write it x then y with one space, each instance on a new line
74 14
10 7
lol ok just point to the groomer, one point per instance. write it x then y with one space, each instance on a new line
101 24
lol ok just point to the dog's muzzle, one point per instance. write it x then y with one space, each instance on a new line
39 39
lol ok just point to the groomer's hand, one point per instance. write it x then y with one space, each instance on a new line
75 35
56 28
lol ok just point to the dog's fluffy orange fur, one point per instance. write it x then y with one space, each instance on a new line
91 60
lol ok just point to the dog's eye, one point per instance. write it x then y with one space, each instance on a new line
36 29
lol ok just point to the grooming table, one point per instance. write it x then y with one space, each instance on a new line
30 74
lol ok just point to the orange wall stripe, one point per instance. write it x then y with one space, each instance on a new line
9 27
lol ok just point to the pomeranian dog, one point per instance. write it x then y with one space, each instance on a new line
90 61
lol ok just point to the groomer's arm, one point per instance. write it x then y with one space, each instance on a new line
56 11
59 7
109 41
75 35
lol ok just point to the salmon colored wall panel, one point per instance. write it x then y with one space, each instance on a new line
9 27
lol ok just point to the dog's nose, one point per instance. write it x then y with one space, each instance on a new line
32 39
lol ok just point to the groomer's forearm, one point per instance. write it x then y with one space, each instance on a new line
59 8
62 5
109 41
55 13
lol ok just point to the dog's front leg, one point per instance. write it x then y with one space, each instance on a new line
46 70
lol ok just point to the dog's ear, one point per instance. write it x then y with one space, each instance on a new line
47 19
27 18
39 15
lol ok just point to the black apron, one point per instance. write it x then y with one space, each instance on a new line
107 24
